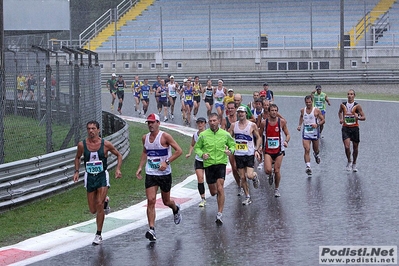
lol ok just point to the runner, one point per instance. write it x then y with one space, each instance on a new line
198 93
319 101
350 113
157 157
238 103
274 145
226 124
199 162
21 83
155 88
229 98
219 94
310 118
188 101
111 86
95 152
246 134
162 93
208 97
255 96
136 87
120 85
173 87
268 94
258 108
145 96
213 146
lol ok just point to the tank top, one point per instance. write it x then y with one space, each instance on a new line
95 161
209 92
219 96
244 140
188 95
273 140
308 120
120 84
349 115
319 101
196 89
164 94
172 89
145 91
156 153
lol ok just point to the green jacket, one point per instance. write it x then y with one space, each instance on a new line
214 144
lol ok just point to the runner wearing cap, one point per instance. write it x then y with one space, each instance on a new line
238 103
319 101
112 89
246 134
199 162
157 156
229 98
268 94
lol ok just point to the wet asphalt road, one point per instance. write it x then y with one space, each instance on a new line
333 207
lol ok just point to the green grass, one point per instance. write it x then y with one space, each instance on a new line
25 138
71 207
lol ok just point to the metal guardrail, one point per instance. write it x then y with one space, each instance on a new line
39 177
104 20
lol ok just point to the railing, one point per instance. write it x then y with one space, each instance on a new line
35 178
104 20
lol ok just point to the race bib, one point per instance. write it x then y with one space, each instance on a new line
319 104
94 167
273 143
172 93
163 93
21 83
196 93
145 94
309 129
154 163
350 120
208 93
241 146
188 97
219 99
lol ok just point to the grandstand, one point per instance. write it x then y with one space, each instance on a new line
234 25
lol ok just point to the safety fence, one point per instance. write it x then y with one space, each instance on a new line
38 177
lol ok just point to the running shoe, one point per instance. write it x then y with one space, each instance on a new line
219 220
202 203
165 119
317 158
119 110
177 217
349 166
270 179
139 112
260 166
172 117
256 181
98 240
150 235
277 193
112 107
107 209
247 201
354 168
195 118
240 191
308 170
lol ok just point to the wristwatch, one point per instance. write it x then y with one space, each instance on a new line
167 161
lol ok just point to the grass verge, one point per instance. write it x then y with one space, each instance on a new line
71 207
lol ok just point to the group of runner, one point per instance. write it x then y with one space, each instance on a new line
237 133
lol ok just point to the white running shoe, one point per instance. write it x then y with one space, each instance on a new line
240 191
317 158
277 193
308 170
150 235
219 220
202 203
165 119
349 166
247 201
177 217
98 240
260 166
195 118
354 168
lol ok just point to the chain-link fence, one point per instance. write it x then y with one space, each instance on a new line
49 97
